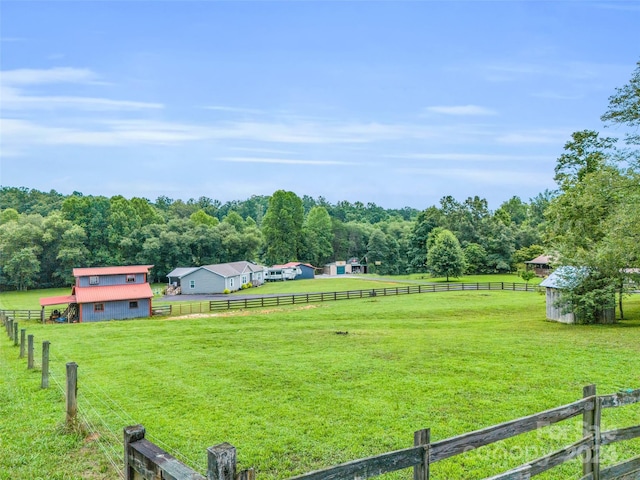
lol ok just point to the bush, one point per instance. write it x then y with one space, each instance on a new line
244 286
249 285
226 291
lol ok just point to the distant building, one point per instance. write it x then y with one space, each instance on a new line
291 271
541 265
340 267
105 293
210 279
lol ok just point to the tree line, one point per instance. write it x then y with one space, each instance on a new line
44 235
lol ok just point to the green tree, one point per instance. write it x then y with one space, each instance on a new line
585 153
446 257
23 268
317 236
624 107
282 227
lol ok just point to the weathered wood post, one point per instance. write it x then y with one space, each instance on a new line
249 474
10 328
45 364
131 434
72 392
23 339
221 462
15 334
30 352
591 426
422 437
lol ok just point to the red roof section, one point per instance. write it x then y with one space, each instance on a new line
112 293
131 269
47 301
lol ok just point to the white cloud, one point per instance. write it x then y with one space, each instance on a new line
461 110
13 96
484 176
283 161
28 76
551 137
472 157
221 108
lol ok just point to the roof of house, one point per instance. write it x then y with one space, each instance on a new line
225 270
122 270
295 264
181 271
540 259
113 293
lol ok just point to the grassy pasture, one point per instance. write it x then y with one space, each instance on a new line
293 395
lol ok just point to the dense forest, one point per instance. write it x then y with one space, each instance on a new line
44 235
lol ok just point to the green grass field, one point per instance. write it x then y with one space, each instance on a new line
293 395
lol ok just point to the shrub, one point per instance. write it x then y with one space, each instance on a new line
249 285
226 291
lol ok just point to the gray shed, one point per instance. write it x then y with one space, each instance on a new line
565 278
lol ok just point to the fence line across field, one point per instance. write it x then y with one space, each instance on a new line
258 301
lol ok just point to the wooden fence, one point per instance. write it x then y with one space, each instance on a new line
141 457
302 298
145 460
231 303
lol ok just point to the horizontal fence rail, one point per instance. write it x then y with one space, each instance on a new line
144 460
188 308
302 298
424 453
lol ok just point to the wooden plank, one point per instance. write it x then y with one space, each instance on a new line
629 469
369 467
149 459
619 399
562 456
520 473
620 434
462 443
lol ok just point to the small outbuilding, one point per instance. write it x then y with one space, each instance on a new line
541 265
340 267
561 280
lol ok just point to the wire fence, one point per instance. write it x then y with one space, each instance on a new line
100 416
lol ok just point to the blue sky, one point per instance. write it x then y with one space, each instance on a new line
397 103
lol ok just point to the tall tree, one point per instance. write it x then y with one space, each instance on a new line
446 257
318 236
282 227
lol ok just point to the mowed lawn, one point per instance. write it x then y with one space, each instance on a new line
305 387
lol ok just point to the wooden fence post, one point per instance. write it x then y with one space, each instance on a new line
422 437
131 434
45 364
30 352
23 339
10 328
72 392
249 474
15 334
221 462
591 426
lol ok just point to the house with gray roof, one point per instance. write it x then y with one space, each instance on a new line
217 278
